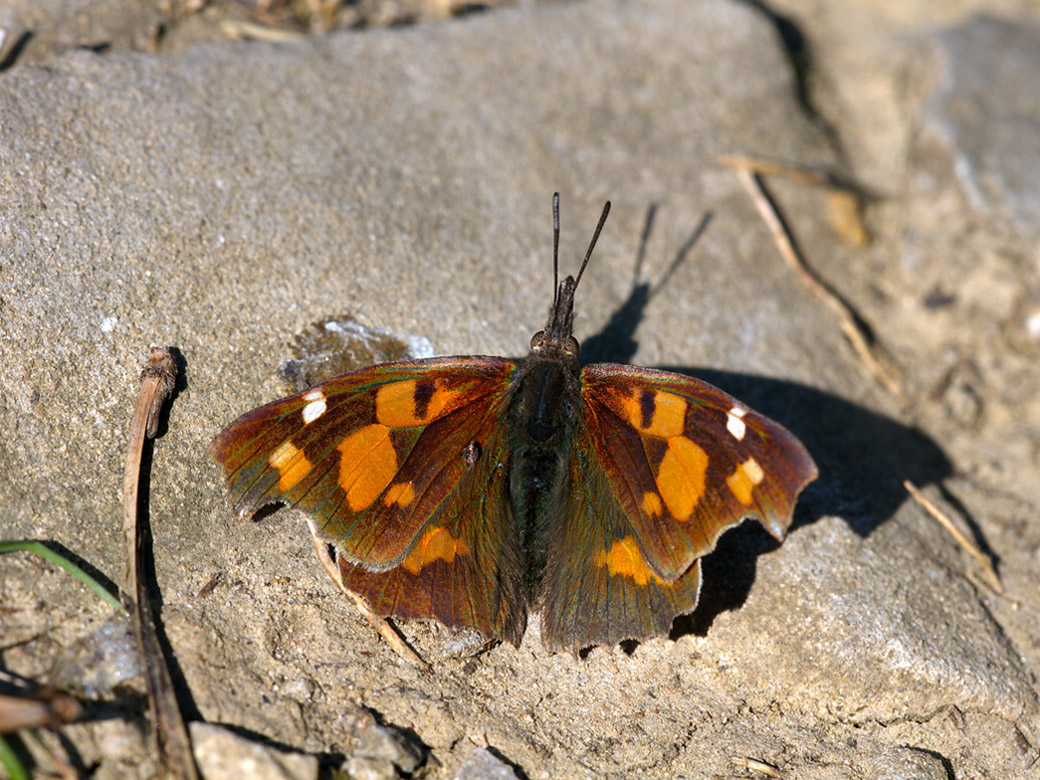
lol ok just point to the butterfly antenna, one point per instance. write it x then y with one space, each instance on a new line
556 246
592 243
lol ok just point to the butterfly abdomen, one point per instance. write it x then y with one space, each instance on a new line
543 415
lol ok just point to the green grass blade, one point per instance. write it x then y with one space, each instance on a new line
61 561
9 760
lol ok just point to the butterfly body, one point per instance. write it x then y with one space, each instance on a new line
476 490
543 417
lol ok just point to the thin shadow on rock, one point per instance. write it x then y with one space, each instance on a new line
615 342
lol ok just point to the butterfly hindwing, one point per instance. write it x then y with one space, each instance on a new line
464 568
403 466
662 465
598 588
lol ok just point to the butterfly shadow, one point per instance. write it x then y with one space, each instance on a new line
615 342
863 457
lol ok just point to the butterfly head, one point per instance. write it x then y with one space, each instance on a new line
557 335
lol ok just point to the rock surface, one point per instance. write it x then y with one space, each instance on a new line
223 754
224 199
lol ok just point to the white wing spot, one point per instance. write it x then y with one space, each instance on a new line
753 470
734 424
316 408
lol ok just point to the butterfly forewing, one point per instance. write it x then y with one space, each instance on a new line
686 461
373 455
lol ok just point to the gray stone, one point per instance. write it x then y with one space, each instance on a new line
985 111
221 754
365 768
388 744
904 763
482 764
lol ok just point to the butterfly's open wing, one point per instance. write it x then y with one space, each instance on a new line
663 465
403 467
598 588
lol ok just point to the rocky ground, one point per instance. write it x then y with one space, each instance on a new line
220 177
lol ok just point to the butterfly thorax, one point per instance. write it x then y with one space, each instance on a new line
555 339
543 415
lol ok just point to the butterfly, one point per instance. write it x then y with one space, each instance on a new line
477 490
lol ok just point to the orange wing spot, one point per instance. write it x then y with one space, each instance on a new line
367 464
744 479
669 416
680 477
436 543
291 464
401 494
664 414
397 404
652 504
625 560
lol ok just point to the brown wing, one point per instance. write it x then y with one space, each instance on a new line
402 466
663 465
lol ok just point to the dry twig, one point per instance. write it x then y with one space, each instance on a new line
379 623
850 323
814 178
172 742
48 708
844 199
988 572
755 765
238 30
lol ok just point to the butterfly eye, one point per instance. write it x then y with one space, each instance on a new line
572 345
536 339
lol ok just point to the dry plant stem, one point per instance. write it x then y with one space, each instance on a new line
853 332
210 586
844 200
28 712
754 165
989 574
172 742
237 31
756 766
378 622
